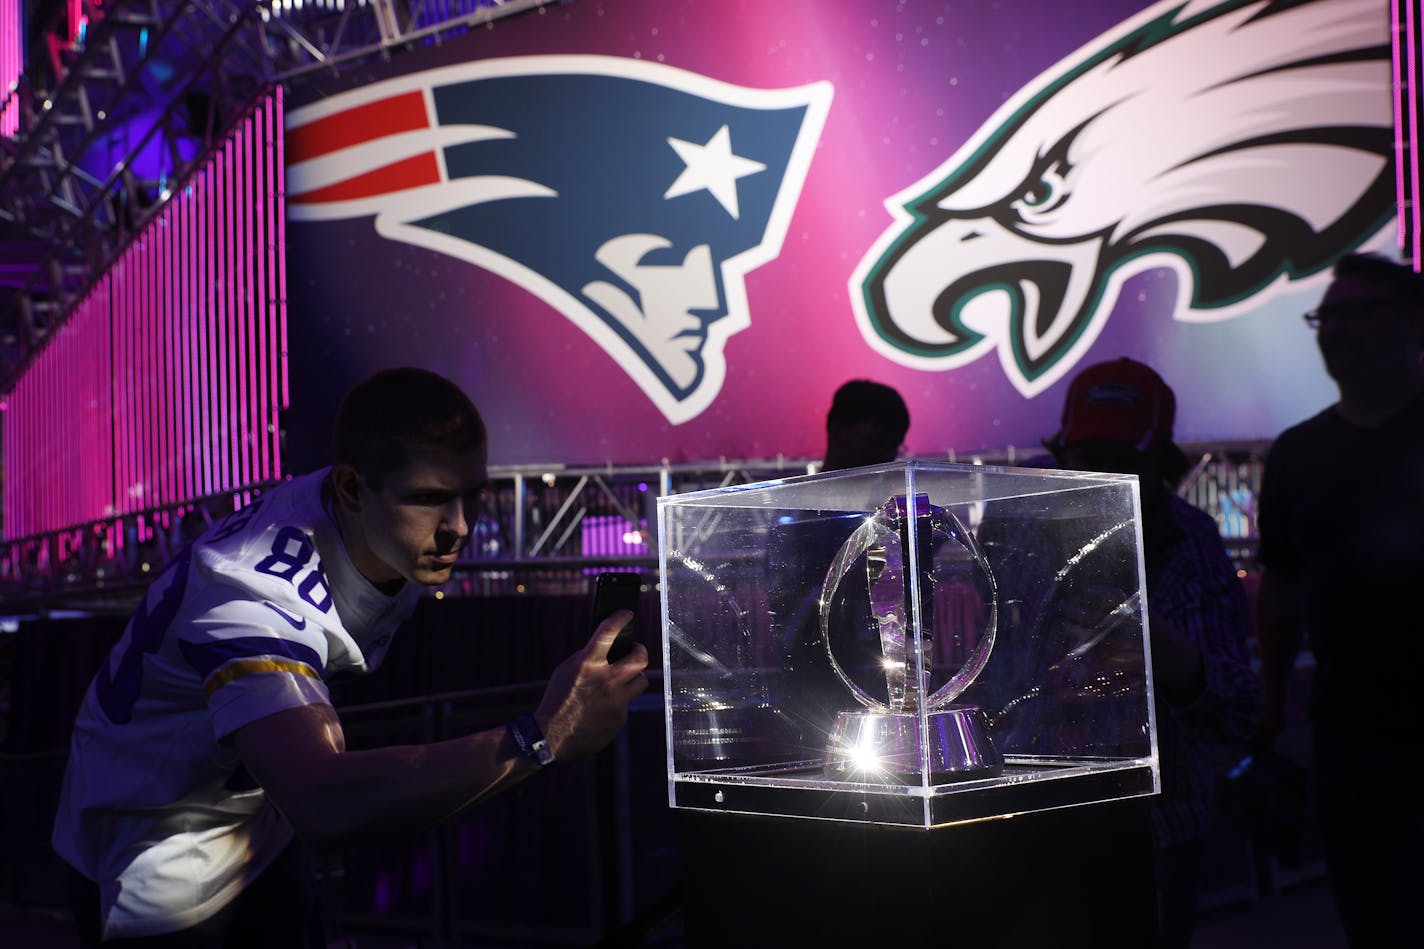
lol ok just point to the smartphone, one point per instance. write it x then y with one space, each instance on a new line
611 592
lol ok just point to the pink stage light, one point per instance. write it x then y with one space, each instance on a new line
12 67
1407 20
165 383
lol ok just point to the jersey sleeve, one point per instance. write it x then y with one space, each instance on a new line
254 658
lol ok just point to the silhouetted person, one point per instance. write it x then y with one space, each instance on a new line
1341 523
866 425
1118 416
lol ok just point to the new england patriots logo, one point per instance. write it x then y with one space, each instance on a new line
1245 144
633 197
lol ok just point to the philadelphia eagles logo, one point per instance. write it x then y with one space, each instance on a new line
1246 144
632 197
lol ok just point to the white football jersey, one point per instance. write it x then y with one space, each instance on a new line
250 619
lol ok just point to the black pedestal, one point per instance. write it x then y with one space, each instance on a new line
1074 877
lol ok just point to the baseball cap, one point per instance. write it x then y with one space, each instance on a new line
1123 400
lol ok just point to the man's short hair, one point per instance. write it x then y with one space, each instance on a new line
393 411
861 400
1403 283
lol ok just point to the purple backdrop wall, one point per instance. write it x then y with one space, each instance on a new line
1100 192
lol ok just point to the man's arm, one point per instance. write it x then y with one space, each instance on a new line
333 796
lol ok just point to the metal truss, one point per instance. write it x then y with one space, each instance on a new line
541 529
164 77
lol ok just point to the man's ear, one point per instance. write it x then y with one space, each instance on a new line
347 485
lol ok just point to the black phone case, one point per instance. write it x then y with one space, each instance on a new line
611 592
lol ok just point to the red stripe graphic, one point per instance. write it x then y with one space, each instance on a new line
364 123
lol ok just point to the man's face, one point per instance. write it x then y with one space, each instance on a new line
1364 334
416 522
862 443
1106 454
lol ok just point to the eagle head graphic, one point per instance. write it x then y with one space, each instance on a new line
1244 143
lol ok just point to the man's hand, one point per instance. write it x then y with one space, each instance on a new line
586 700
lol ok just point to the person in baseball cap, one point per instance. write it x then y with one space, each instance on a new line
1118 416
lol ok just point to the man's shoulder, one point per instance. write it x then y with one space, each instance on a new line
267 552
1306 437
294 503
1324 420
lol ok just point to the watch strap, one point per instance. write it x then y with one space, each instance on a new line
529 741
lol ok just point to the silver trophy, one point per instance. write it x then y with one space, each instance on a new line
917 730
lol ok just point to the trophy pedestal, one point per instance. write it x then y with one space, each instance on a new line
880 745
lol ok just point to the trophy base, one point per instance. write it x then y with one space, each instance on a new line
883 746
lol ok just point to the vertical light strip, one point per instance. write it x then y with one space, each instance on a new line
16 445
130 442
103 330
182 263
135 446
236 390
272 253
152 374
1408 79
53 491
174 264
163 300
41 385
256 401
23 512
217 237
10 447
69 414
143 430
172 358
12 66
258 208
217 420
241 299
46 387
118 383
1412 93
202 313
230 323
86 443
1401 133
135 394
279 213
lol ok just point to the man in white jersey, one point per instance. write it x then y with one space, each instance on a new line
206 753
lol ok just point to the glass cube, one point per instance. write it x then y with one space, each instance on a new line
916 644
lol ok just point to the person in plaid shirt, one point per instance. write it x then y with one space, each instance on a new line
1118 417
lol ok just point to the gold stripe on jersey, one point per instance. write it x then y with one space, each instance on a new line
242 667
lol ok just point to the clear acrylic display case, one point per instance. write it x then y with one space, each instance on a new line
915 644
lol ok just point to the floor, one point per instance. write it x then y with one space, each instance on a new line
1301 916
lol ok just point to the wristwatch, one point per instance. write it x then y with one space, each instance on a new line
530 741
